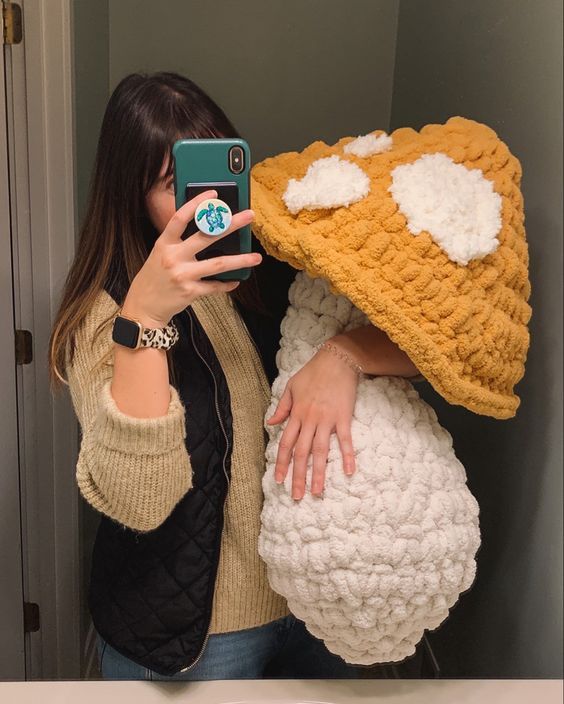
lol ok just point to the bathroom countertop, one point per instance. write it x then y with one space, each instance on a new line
286 692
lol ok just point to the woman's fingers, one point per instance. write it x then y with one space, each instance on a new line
313 439
179 221
198 241
285 447
227 262
305 439
207 288
283 408
302 452
345 443
320 453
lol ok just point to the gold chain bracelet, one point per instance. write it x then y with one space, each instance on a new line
343 355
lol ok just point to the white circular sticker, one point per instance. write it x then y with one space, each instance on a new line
213 216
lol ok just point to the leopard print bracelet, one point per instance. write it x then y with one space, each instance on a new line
343 355
161 338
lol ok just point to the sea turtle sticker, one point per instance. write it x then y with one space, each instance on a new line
213 216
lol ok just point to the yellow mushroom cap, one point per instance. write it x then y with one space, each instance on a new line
426 237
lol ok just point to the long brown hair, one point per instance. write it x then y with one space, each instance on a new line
145 115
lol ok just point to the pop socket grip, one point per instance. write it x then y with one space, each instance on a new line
213 216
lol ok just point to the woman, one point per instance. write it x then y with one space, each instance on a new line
172 450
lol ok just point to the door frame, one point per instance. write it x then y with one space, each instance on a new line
12 655
40 129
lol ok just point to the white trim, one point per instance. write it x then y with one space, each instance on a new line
43 193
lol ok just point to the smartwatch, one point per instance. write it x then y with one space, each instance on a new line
129 332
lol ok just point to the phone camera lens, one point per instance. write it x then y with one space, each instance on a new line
236 160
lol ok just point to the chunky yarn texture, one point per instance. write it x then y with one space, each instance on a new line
433 251
385 553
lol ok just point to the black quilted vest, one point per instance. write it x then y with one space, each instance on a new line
150 594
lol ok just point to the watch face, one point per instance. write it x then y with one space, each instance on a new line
125 332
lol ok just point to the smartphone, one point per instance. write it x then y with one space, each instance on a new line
224 165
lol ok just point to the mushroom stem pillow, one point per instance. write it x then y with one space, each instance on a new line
387 551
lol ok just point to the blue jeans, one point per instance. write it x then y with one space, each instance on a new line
279 649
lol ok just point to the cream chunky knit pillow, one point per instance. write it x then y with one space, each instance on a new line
385 553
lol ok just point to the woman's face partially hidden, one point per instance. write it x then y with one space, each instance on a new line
160 200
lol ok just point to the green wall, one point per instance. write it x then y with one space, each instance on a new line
285 73
501 63
92 71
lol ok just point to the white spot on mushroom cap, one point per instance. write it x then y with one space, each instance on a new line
369 144
329 182
457 206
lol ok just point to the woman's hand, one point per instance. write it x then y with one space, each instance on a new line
170 278
320 400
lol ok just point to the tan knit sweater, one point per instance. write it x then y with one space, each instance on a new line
135 470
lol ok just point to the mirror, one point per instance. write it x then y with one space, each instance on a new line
283 76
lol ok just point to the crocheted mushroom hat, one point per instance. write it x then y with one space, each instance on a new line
424 233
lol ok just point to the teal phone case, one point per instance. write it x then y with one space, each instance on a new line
206 161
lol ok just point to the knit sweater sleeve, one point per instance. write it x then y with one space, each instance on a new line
134 470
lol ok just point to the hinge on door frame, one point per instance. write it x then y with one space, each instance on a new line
31 617
12 28
24 347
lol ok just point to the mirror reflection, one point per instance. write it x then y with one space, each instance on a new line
280 297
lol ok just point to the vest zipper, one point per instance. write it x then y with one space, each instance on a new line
189 667
215 396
